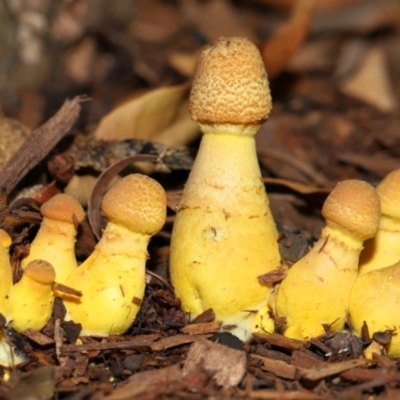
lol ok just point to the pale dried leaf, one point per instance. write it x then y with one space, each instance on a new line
160 115
371 82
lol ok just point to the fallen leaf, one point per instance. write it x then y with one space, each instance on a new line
227 366
279 49
160 115
216 18
371 82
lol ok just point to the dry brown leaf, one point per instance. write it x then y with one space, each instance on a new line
216 18
361 17
160 115
296 186
278 50
371 82
227 366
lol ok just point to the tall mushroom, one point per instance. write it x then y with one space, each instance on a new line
224 235
315 293
112 279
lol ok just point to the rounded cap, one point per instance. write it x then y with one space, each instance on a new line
389 193
353 205
137 202
62 207
40 271
230 85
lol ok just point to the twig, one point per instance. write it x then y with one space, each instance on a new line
37 146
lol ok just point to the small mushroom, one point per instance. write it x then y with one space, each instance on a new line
224 235
383 250
315 292
375 300
112 279
32 297
55 240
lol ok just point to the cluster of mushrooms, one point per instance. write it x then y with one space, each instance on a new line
224 237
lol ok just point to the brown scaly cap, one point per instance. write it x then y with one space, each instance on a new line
354 206
62 207
230 85
137 202
389 193
40 271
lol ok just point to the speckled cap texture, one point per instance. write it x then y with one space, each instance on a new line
137 202
354 205
389 193
62 207
230 85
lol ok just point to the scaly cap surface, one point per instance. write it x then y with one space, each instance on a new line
61 207
137 202
230 85
389 193
353 205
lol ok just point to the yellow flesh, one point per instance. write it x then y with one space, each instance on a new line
55 243
224 236
317 288
6 281
32 304
383 250
109 280
375 299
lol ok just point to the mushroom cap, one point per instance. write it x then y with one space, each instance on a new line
62 207
230 85
353 205
40 271
137 202
389 193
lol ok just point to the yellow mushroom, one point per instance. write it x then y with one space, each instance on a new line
316 290
375 300
112 279
55 240
224 235
6 276
32 297
384 250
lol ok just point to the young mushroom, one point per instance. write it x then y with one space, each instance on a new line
32 297
224 235
375 300
315 292
112 279
384 250
55 240
6 276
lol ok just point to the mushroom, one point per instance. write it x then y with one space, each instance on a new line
32 297
375 300
6 275
316 290
55 240
112 279
384 250
224 235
